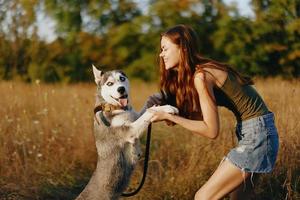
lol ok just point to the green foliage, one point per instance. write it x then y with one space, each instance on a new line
143 68
277 37
125 35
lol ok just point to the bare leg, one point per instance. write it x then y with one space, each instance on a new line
225 179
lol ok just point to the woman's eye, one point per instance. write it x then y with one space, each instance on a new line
109 83
122 78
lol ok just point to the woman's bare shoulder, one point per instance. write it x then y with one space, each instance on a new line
204 75
202 79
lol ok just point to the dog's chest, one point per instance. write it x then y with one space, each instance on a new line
124 118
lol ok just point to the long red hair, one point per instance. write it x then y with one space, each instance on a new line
177 86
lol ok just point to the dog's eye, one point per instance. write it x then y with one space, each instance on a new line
109 83
122 78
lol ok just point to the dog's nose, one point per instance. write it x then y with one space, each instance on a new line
121 90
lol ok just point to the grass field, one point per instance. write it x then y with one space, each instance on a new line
47 146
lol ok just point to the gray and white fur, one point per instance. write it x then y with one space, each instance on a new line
117 145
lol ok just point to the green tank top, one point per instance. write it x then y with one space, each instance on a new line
243 100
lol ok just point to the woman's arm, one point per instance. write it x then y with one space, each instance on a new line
209 126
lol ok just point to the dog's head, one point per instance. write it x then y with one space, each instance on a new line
113 86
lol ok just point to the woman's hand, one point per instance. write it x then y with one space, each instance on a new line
158 115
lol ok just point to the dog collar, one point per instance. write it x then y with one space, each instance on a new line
105 107
103 119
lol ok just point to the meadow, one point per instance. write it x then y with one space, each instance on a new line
47 146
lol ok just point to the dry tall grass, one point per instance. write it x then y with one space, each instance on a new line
47 147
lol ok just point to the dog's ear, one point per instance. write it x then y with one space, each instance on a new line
97 74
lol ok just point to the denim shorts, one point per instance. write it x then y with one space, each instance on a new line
257 145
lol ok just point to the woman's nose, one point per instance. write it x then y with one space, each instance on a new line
161 54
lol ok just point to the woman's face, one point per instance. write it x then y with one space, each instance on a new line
170 53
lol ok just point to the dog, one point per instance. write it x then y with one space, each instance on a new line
117 129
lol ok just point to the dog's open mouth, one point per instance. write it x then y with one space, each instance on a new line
123 100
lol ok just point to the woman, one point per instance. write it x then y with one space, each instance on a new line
196 86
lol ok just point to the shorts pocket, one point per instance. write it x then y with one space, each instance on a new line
247 139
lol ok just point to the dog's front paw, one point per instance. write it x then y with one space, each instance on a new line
166 108
171 109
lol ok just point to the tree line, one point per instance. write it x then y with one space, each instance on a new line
125 34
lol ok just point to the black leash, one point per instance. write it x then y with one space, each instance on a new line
147 152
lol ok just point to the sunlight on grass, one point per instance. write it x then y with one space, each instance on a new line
47 146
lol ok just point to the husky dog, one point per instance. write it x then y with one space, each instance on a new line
117 129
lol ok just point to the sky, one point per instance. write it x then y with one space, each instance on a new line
46 25
243 6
